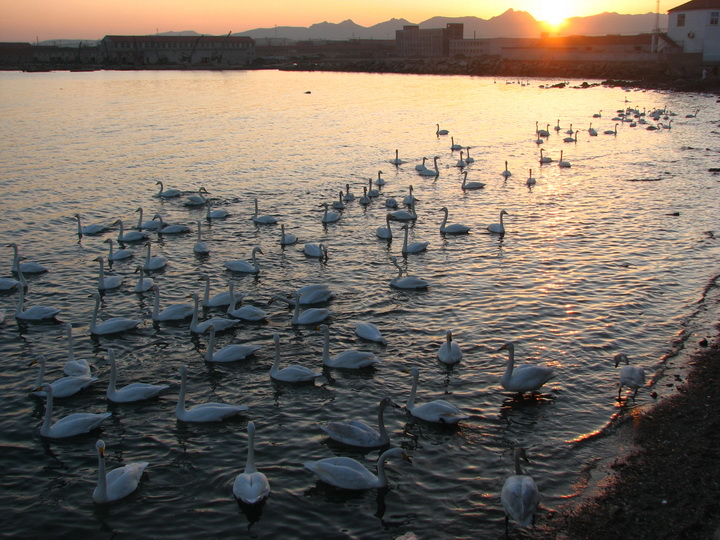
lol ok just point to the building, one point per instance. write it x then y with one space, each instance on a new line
209 51
695 27
413 42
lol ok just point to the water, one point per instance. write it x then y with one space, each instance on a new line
613 254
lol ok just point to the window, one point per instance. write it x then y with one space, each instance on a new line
681 19
714 15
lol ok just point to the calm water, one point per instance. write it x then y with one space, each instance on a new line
613 254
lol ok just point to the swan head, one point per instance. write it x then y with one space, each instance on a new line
257 249
620 358
509 346
100 447
504 213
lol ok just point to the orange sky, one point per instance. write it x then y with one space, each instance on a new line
28 20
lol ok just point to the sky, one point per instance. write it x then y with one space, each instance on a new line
31 20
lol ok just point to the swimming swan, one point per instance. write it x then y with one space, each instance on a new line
437 411
167 193
245 267
64 386
293 373
520 496
455 228
130 236
173 312
406 282
310 315
347 473
204 412
348 359
89 230
132 392
70 425
199 199
251 486
220 323
229 353
151 225
470 185
35 313
415 247
26 267
287 239
114 325
498 228
262 220
359 434
143 284
525 378
369 331
449 352
73 367
106 283
217 300
244 313
200 247
118 483
118 255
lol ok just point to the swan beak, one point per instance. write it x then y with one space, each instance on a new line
39 388
503 348
32 363
406 457
101 450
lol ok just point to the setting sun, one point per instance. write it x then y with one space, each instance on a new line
553 13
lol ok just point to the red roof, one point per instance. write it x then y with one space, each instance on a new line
694 5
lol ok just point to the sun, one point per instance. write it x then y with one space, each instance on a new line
553 13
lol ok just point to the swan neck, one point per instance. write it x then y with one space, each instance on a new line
41 374
411 398
326 346
276 363
381 477
210 346
95 313
180 408
101 490
113 374
381 421
156 304
510 365
250 462
45 428
194 320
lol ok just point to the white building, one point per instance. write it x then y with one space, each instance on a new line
695 27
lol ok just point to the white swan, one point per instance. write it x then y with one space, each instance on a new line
251 486
35 313
73 367
106 283
348 359
118 255
592 131
542 132
316 250
431 172
372 192
454 146
364 200
229 353
64 386
204 412
170 229
220 323
506 173
113 325
470 185
197 200
456 228
520 496
218 213
391 202
569 131
406 282
449 352
571 139
461 162
89 230
611 131
293 373
630 376
339 204
347 473
287 239
563 163
384 233
468 159
70 425
421 166
439 131
437 411
173 312
380 180
153 262
396 160
151 225
8 284
328 216
308 295
310 315
167 193
544 159
370 332
130 236
143 284
530 180
132 392
262 220
118 483
404 215
200 247
498 228
409 199
359 434
525 378
414 247
26 267
218 300
349 196
244 313
239 265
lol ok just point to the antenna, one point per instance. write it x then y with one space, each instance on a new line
656 30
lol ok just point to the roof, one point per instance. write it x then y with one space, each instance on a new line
694 5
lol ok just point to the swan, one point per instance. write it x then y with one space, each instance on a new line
415 247
167 193
220 323
118 255
349 196
369 331
611 131
204 412
238 265
106 282
431 172
170 229
244 313
151 225
287 239
174 312
544 159
455 228
391 202
9 284
308 295
118 483
437 411
199 199
262 220
525 378
359 434
404 215
35 313
421 166
592 131
143 284
310 315
293 373
218 213
468 159
397 160
506 173
449 352
329 217
364 199
113 325
229 353
348 473
130 236
219 300
64 386
557 126
132 392
153 263
406 282
470 185
630 376
385 233
454 146
520 496
70 425
26 267
439 131
251 486
89 230
562 163
200 247
569 131
315 250
339 204
73 367
598 114
571 139
409 199
542 132
348 359
530 180
498 228
461 162
380 180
